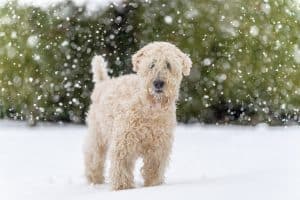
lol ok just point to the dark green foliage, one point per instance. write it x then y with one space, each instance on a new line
245 67
243 52
46 77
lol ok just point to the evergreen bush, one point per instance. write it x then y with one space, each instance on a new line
246 57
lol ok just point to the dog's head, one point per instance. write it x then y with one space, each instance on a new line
161 65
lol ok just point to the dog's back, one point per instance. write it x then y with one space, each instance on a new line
111 97
114 91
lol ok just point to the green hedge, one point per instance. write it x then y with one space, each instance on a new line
245 67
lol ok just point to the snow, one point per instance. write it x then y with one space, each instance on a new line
266 8
207 62
32 41
91 4
221 78
254 30
168 19
297 54
208 162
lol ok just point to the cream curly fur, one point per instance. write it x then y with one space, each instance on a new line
128 118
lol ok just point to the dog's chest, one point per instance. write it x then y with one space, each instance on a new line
152 129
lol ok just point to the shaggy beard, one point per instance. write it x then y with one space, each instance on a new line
159 99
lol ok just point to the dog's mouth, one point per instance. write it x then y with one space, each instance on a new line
158 94
158 91
155 94
158 98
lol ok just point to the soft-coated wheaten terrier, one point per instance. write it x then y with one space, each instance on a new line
134 116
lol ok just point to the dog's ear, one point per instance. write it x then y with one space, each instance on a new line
136 59
186 62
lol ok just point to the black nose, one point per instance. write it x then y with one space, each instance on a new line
158 84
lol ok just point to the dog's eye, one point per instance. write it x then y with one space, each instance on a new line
168 66
152 65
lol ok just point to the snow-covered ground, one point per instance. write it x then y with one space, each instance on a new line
208 162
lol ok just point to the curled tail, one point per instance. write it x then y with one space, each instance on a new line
99 69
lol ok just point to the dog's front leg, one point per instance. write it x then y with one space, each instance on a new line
155 163
122 165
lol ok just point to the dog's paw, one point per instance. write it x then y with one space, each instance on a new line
95 179
122 186
150 183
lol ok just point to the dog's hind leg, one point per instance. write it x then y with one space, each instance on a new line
94 156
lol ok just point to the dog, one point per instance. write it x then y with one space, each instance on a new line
134 116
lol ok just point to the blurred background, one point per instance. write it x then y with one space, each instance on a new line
246 56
